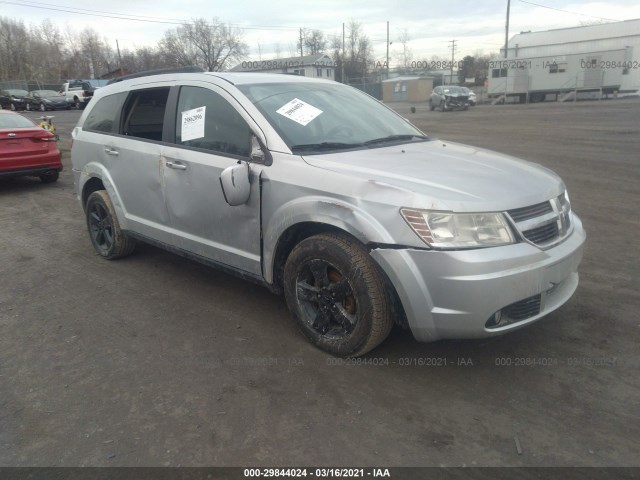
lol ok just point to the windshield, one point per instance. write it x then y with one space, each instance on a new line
316 117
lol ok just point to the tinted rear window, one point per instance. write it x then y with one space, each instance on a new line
105 114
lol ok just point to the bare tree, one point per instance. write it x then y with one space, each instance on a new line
358 54
313 42
212 46
405 56
13 41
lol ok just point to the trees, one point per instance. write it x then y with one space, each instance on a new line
405 56
210 45
313 42
358 54
13 42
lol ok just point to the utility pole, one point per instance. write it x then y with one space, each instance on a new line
342 62
301 54
387 49
506 33
119 57
453 51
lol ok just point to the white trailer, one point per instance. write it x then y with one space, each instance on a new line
603 58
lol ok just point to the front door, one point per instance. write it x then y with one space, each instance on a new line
211 135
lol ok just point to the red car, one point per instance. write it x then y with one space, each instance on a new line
27 149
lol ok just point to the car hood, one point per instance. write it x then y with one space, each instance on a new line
443 175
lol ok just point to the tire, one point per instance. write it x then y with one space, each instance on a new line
105 233
49 176
442 106
336 294
13 107
28 107
77 103
43 107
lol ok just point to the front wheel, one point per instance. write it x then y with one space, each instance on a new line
77 103
336 294
104 230
28 107
43 107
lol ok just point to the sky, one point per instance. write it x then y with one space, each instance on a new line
271 27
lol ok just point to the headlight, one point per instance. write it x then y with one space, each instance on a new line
459 230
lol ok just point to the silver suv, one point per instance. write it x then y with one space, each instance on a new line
314 189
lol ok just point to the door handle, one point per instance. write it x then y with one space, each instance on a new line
176 165
110 151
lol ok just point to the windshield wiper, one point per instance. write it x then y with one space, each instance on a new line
326 146
394 138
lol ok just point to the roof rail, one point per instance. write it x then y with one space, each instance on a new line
158 71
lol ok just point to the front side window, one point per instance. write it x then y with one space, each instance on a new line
103 117
206 120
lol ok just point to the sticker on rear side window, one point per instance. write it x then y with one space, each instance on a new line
193 123
299 112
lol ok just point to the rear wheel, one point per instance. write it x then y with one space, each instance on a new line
49 176
336 294
43 107
104 230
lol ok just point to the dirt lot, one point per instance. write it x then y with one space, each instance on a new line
156 360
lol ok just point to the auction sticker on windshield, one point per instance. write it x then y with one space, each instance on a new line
193 123
299 112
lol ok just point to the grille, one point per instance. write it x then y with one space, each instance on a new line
526 213
523 309
544 234
545 223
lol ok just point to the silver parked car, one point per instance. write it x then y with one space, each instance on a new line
449 97
314 189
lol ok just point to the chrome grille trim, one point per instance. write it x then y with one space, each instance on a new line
525 213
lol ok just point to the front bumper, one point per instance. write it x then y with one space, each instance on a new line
452 294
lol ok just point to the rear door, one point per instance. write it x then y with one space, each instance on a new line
124 132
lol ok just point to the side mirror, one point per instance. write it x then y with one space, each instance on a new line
234 181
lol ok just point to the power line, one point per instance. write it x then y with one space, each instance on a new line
567 11
137 18
29 3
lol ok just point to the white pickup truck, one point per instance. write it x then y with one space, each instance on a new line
80 92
